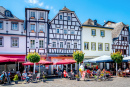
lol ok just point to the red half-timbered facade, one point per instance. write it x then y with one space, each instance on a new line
120 36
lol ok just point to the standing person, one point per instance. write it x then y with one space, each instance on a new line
98 73
1 77
65 73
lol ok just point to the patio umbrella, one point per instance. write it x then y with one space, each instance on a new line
28 63
66 61
45 62
4 60
8 59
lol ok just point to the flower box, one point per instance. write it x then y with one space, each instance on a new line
32 30
32 17
41 18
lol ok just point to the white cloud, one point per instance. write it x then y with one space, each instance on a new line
51 7
41 4
47 7
34 2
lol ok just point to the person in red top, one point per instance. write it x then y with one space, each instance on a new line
65 73
97 67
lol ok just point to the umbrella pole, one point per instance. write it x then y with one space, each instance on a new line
34 68
71 66
116 69
18 66
39 68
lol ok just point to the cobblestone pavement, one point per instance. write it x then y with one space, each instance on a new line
63 82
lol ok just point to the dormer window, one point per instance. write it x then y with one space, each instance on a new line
69 18
8 14
32 14
60 17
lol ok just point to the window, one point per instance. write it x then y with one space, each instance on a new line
86 45
1 41
72 32
14 42
1 25
41 15
32 27
60 17
69 18
33 14
75 45
41 27
14 26
102 32
93 32
68 44
57 31
124 38
100 46
61 44
8 14
40 43
65 31
93 46
32 44
106 46
54 44
124 52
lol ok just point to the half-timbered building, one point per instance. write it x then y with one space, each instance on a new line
64 35
36 20
120 36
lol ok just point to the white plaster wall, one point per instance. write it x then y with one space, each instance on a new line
86 37
7 49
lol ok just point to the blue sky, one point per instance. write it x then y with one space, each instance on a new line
112 10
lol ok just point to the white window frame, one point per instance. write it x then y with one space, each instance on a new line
41 27
53 44
61 17
107 44
75 45
2 41
72 31
93 47
102 35
41 43
1 24
8 13
93 32
61 45
68 18
68 45
14 26
14 41
32 44
33 27
42 15
32 14
66 31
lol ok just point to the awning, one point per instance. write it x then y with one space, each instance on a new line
6 59
14 58
100 59
28 63
66 61
126 59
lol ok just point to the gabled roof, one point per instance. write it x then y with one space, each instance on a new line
66 9
2 13
117 29
90 22
36 8
108 22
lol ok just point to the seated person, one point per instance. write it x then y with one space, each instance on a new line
25 76
65 73
99 73
127 70
119 71
1 77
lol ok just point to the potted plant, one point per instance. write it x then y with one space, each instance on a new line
77 78
41 18
16 79
32 30
44 79
32 17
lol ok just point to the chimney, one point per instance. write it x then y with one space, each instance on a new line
95 22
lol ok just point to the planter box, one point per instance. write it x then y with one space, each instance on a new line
32 30
78 79
16 82
41 18
41 31
32 17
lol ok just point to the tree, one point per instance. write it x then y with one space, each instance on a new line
117 58
79 57
34 58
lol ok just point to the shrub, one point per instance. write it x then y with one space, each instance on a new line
33 57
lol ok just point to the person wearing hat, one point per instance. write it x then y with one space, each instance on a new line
2 75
